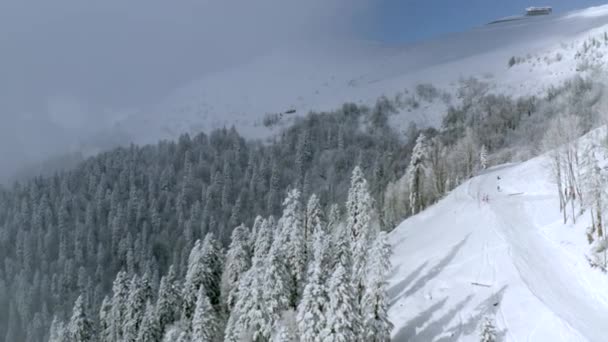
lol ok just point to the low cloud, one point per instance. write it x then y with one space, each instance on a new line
67 63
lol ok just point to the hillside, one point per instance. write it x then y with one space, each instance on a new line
323 75
511 258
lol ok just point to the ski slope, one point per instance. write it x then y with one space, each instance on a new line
511 258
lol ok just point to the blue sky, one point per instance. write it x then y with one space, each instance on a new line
399 21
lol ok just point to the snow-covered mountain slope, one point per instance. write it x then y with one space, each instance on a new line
511 258
322 76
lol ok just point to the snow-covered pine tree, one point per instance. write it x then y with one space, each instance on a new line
149 330
193 281
277 281
212 260
263 242
311 310
359 207
376 325
340 251
205 323
483 157
168 303
292 227
314 219
416 174
120 289
250 318
238 261
135 310
343 322
105 320
333 218
80 328
488 331
255 229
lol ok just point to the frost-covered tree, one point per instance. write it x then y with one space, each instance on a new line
118 314
333 219
278 281
376 325
135 309
488 331
238 261
416 174
562 138
483 157
312 307
168 303
594 191
343 322
263 240
149 330
314 219
255 229
250 318
80 327
359 208
105 320
292 228
205 323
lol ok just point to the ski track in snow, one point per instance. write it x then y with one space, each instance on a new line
544 268
537 288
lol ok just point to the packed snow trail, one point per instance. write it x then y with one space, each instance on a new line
543 266
510 258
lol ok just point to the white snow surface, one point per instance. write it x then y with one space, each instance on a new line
512 259
323 75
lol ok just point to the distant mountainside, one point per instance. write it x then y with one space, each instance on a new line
515 58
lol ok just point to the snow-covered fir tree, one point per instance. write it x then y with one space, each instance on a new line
343 322
292 229
168 303
312 307
483 157
80 328
238 261
278 283
105 320
118 314
314 218
250 318
205 323
359 210
149 330
416 174
376 325
139 295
